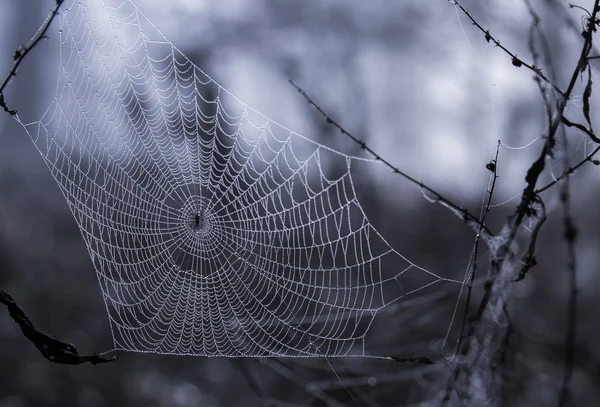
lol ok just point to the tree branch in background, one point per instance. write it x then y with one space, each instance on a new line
570 235
50 347
571 170
582 128
529 260
22 51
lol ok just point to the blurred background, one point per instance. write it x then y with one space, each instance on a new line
422 86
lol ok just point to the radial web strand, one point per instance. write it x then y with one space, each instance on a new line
212 229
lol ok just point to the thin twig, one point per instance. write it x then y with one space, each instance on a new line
514 59
529 259
545 44
493 167
581 127
571 170
22 52
466 215
423 360
51 348
570 234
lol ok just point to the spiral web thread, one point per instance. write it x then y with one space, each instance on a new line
213 230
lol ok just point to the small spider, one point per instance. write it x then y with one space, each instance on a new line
491 166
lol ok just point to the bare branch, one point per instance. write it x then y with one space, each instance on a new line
466 215
529 259
582 128
51 348
493 167
421 360
517 62
22 52
570 234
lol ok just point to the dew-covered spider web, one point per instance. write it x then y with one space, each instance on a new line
213 230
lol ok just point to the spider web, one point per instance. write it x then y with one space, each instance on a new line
213 230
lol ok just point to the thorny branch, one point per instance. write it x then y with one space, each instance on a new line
466 215
22 52
514 59
493 168
51 348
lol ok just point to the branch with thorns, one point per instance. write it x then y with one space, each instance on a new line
467 217
515 60
21 52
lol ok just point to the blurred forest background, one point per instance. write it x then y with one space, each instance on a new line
421 85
